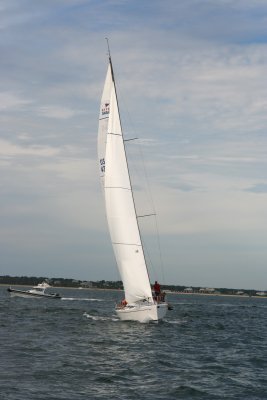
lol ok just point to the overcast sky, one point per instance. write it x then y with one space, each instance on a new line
191 77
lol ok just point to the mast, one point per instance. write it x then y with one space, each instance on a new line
113 79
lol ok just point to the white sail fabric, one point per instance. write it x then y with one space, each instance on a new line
119 201
103 124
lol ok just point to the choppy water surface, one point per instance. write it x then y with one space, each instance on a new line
75 349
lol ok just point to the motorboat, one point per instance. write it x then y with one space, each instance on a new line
37 291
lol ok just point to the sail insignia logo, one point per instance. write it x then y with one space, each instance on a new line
105 109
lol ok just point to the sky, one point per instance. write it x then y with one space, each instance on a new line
192 86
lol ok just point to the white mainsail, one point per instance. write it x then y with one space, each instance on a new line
119 201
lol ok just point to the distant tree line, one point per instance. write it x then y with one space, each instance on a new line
103 284
62 282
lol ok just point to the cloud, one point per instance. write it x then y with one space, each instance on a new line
191 75
8 149
258 188
232 212
58 112
12 101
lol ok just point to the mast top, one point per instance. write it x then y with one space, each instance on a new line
110 62
109 55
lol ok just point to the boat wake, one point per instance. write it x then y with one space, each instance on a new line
80 299
176 321
100 318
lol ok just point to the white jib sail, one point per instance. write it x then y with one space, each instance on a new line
119 201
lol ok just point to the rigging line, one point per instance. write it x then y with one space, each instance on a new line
127 244
149 198
154 210
128 140
148 256
160 251
117 187
142 175
146 215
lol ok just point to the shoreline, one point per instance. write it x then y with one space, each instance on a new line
167 293
60 287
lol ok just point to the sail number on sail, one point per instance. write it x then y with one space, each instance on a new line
102 165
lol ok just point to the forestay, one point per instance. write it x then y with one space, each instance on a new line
120 208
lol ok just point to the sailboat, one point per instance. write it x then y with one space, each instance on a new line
139 304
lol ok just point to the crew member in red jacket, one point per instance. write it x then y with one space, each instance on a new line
157 289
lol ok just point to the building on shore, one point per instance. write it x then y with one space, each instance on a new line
188 290
207 290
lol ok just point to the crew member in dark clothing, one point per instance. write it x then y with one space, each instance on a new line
157 289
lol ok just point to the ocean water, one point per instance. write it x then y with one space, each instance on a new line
208 347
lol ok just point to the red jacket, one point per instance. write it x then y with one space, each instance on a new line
157 287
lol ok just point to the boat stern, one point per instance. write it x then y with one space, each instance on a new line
142 313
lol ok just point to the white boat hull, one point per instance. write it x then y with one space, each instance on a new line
142 313
31 294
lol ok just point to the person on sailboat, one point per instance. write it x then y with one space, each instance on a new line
159 295
157 290
124 303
